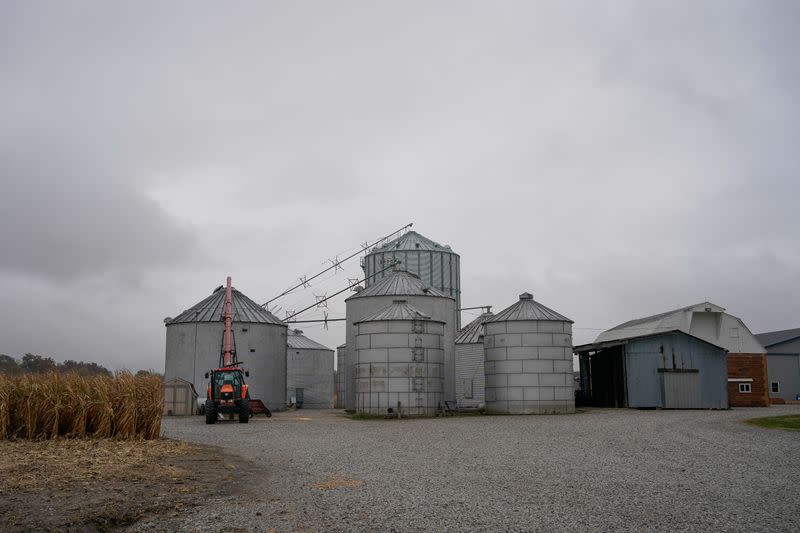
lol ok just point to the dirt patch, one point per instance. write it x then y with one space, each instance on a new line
105 484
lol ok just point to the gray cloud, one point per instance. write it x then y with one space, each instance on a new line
614 160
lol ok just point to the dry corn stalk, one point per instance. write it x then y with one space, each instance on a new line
53 405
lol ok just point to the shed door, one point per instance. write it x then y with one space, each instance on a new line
682 390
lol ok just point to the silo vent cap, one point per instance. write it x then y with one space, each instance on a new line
526 296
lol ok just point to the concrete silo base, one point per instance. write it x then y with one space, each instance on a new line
554 407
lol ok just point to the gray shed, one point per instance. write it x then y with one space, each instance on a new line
470 377
309 372
194 342
783 363
671 369
180 397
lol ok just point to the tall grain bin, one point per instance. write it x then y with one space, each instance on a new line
437 265
399 361
194 340
430 301
528 360
470 378
340 381
309 372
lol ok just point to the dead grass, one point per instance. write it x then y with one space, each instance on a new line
54 405
64 464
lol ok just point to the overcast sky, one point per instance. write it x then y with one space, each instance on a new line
616 159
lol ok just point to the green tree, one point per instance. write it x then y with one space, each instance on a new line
37 363
8 365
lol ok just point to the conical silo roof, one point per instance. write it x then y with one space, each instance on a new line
212 309
397 310
412 241
295 339
527 309
472 332
399 283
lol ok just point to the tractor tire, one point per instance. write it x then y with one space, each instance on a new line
244 412
211 412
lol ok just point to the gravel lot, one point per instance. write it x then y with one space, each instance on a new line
596 470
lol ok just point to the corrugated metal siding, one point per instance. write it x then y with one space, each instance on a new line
469 367
312 371
682 390
643 358
436 265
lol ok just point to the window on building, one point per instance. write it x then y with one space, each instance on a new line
468 388
734 333
745 387
244 330
252 350
775 386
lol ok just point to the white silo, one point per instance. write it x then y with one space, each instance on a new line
437 265
398 361
309 372
470 378
417 293
194 342
528 360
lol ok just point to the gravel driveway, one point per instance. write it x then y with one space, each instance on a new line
601 469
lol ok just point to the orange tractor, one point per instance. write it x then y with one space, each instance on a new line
227 392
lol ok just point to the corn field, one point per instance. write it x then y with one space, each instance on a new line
54 405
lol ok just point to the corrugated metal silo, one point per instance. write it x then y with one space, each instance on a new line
470 378
528 360
399 358
194 340
340 381
437 265
309 372
418 294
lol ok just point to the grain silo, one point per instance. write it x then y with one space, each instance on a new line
437 265
398 361
528 360
309 372
339 381
194 341
470 378
418 294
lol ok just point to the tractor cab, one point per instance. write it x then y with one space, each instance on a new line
226 384
227 394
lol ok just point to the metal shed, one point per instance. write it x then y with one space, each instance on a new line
746 359
309 372
783 356
194 338
180 397
671 370
470 376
